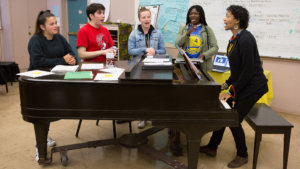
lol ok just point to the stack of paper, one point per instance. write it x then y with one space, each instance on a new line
64 68
79 75
112 74
35 73
156 60
92 66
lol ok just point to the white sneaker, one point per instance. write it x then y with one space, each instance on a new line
142 124
50 142
37 155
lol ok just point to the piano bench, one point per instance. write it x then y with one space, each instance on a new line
265 120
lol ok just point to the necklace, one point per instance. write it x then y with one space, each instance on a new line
233 37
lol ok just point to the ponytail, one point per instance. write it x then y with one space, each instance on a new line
41 20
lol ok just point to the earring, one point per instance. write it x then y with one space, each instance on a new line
235 27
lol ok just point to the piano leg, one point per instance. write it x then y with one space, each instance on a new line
176 147
193 152
41 131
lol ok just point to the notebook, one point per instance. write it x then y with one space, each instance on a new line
79 75
221 64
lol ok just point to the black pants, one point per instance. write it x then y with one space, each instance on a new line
243 107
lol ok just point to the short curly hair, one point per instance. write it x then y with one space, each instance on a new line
240 13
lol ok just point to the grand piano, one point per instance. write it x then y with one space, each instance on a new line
190 106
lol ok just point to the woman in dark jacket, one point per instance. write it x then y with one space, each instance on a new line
47 48
248 82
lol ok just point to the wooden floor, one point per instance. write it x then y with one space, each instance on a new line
17 141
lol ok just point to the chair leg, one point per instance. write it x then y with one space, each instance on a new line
78 128
10 75
97 122
287 136
6 87
114 129
130 128
258 136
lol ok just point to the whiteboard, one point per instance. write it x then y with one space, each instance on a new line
275 24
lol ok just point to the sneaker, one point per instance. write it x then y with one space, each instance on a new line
142 124
207 151
50 142
237 162
37 155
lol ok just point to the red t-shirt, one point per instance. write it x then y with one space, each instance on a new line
94 39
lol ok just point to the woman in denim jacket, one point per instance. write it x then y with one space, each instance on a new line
146 39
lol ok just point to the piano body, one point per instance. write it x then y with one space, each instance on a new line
191 107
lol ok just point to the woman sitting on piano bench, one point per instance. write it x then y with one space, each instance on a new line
47 48
197 38
247 80
146 39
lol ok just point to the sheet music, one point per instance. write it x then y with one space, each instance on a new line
155 60
169 63
64 68
191 63
113 74
92 66
35 73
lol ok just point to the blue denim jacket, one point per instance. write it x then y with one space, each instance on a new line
136 42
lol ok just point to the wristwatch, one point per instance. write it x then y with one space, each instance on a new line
225 85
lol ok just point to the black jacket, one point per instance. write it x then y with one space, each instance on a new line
146 35
48 53
247 74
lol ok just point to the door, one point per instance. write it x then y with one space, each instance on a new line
23 15
76 16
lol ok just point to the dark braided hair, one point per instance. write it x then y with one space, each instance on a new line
240 13
201 13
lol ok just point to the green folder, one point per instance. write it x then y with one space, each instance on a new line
79 75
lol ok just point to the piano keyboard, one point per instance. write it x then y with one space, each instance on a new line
225 104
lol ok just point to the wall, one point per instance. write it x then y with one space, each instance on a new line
1 47
125 11
286 80
18 22
8 54
63 28
23 15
